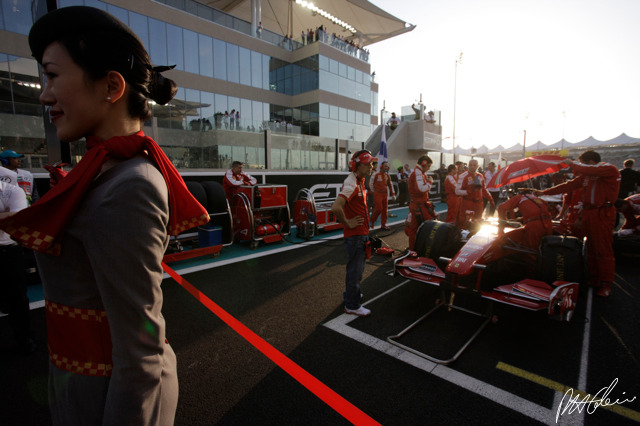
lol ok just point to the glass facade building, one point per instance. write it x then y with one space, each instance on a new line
257 100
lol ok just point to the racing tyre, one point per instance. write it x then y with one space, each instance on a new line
216 197
436 239
197 190
562 258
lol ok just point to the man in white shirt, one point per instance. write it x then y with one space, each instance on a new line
393 121
8 176
13 286
12 161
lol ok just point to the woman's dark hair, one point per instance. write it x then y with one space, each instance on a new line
451 168
99 43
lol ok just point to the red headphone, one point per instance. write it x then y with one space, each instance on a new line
353 163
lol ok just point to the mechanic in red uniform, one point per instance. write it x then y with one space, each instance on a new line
600 183
471 188
350 209
420 208
382 187
234 178
535 218
630 208
453 201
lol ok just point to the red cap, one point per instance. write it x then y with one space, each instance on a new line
365 158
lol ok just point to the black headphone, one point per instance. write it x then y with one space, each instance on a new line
353 164
5 161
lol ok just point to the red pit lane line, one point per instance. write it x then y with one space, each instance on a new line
319 389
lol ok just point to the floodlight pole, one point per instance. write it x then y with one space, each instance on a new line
524 145
455 87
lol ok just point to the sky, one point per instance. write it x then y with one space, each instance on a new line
555 68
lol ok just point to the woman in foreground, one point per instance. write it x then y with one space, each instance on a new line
100 234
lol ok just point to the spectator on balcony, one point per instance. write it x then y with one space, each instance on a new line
393 121
417 111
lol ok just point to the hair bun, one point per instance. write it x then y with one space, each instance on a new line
161 89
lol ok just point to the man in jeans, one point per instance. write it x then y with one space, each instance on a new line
350 209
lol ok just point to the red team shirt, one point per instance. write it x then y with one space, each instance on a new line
353 191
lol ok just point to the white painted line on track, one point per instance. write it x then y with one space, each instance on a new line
586 337
491 392
579 417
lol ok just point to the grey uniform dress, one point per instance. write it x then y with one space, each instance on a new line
111 261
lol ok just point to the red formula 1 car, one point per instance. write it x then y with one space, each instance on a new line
491 267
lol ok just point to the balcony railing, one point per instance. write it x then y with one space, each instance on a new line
221 18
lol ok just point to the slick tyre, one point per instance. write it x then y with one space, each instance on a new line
562 258
216 197
197 190
436 239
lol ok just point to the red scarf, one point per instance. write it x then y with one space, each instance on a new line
40 227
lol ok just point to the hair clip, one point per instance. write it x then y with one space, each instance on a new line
160 68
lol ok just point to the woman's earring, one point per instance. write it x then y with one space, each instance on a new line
108 98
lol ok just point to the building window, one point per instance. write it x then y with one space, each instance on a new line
190 51
233 63
219 59
205 53
17 16
174 44
158 42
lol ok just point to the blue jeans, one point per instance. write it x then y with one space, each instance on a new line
356 258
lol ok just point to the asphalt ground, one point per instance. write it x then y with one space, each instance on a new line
516 372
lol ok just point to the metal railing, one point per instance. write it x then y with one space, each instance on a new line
222 18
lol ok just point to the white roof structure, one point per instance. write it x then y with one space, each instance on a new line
590 142
371 23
